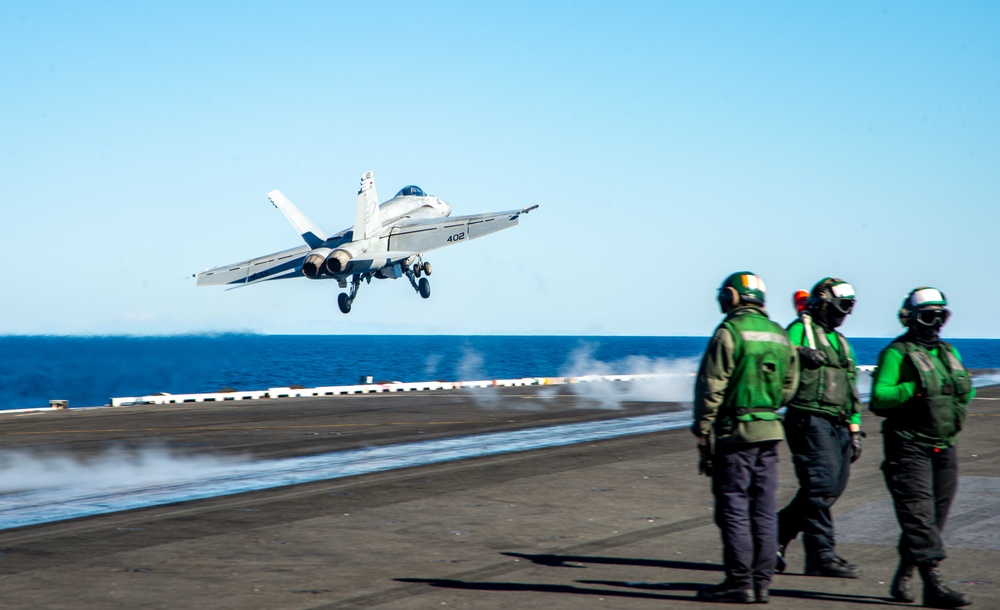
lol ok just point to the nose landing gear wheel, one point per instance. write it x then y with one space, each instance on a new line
427 268
424 288
344 302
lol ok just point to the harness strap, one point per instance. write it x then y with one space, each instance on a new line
751 410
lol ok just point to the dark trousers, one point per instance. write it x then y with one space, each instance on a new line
821 452
923 481
745 484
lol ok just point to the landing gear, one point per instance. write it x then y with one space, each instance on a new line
420 267
345 300
423 287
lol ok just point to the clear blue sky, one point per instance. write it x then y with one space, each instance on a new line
668 144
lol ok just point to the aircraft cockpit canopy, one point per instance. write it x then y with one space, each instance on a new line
411 191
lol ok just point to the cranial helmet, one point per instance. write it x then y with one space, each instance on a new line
925 306
741 287
832 292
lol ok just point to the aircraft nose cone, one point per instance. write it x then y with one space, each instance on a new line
444 206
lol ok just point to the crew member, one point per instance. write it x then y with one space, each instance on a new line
922 388
823 427
747 372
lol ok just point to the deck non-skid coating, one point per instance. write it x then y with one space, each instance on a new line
973 521
71 502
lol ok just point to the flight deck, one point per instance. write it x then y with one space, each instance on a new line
624 522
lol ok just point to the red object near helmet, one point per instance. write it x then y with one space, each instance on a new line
800 299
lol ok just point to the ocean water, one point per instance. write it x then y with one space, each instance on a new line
89 371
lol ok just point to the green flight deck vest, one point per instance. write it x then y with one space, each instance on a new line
944 383
829 389
762 355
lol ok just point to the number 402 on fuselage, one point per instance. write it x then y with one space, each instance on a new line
388 241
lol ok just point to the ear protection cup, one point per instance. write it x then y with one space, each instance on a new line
729 296
820 294
904 316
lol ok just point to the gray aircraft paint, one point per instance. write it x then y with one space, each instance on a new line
384 242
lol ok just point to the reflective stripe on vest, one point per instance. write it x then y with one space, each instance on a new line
756 335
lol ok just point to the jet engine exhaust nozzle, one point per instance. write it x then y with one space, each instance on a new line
337 262
312 267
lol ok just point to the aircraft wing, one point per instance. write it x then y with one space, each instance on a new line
417 235
280 265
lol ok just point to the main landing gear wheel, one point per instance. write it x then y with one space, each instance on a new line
344 302
424 287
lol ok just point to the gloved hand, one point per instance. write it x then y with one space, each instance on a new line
856 445
812 358
705 456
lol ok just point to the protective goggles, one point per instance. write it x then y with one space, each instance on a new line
844 306
933 317
842 296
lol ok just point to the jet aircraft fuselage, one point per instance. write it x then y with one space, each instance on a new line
387 241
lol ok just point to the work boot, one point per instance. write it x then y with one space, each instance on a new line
780 564
902 583
936 594
726 592
761 595
834 567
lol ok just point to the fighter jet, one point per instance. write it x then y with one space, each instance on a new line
387 241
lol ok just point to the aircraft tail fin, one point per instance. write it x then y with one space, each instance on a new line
305 227
367 222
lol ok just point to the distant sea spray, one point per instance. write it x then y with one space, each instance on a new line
88 371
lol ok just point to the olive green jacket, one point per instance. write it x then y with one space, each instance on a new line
716 384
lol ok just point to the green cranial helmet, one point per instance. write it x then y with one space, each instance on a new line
924 305
833 292
741 287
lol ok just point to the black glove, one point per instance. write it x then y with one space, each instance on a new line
856 445
705 458
812 358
